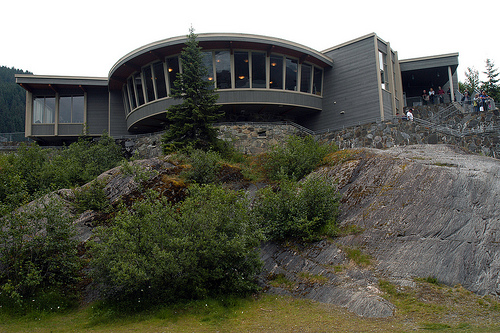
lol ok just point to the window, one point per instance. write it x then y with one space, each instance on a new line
291 74
159 79
241 70
223 69
305 78
276 72
131 93
172 69
138 89
71 109
258 70
44 110
126 103
317 81
383 69
209 65
147 74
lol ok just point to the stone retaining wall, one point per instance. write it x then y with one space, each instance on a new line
255 138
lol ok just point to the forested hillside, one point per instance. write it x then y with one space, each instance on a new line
12 101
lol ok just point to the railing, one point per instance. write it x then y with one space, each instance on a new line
13 137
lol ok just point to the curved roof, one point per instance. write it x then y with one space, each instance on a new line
155 51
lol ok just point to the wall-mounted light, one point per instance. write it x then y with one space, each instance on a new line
342 112
273 64
241 77
170 69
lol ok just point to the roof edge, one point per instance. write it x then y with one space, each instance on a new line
430 57
350 42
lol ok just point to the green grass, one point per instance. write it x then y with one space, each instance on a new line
441 309
357 256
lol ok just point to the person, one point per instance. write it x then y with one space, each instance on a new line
449 95
466 100
409 115
476 103
431 95
441 94
484 101
425 98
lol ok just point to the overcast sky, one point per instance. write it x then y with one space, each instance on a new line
86 38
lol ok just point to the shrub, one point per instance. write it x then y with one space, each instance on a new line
158 252
93 197
205 166
294 160
302 210
38 255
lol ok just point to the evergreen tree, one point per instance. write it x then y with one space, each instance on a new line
472 82
491 85
190 122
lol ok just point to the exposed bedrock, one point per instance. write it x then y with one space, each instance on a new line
427 210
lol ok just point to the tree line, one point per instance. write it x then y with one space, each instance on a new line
12 101
491 85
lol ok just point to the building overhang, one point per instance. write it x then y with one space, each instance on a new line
33 83
159 50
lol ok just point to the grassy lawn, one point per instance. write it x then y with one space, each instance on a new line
428 307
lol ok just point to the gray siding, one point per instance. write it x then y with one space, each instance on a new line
97 110
70 129
42 129
269 97
387 98
351 85
117 122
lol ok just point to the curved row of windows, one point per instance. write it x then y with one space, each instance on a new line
71 109
236 70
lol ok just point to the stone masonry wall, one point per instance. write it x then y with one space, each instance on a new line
255 138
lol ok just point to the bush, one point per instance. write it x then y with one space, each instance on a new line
93 197
297 158
301 210
38 255
159 252
205 166
31 171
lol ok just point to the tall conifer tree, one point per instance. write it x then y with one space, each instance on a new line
190 122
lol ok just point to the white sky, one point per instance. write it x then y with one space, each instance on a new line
86 38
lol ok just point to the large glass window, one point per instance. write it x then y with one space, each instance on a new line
131 93
276 72
172 69
209 65
305 78
258 70
291 74
138 89
126 103
383 70
317 81
159 79
223 69
71 109
241 70
148 81
44 110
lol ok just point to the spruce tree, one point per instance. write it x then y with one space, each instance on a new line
491 85
190 122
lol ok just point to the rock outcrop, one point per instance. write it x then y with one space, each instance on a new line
424 211
427 210
418 211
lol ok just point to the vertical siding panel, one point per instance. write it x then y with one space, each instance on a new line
97 110
351 85
117 121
